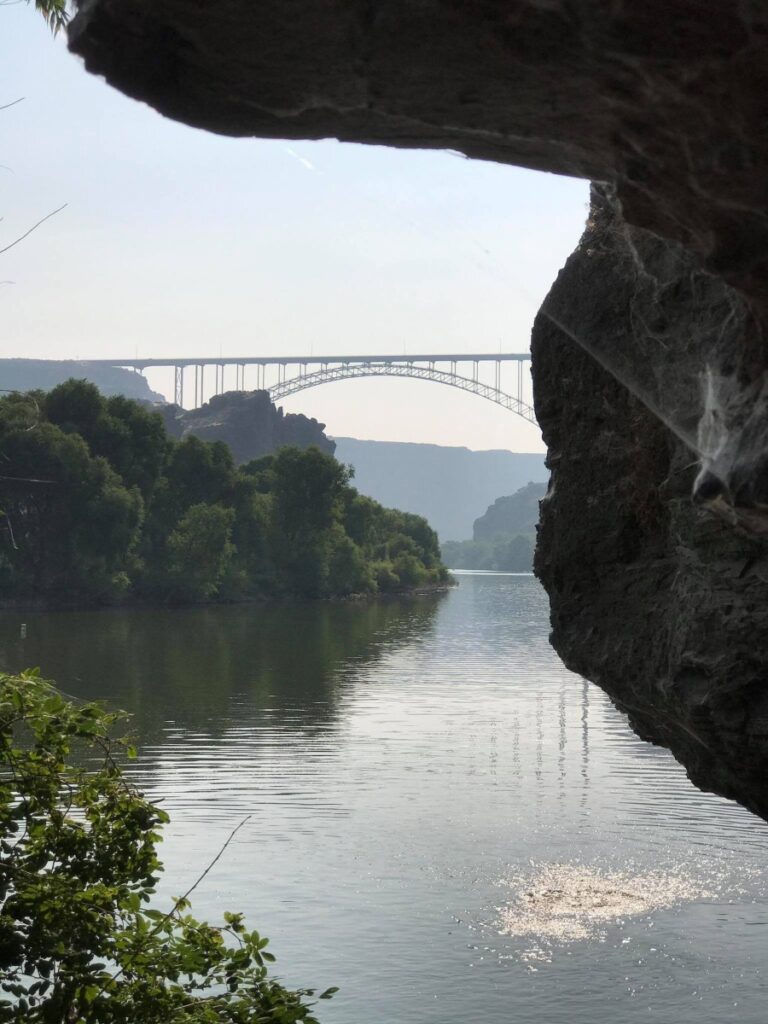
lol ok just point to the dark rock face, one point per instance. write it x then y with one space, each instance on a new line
249 423
666 99
662 602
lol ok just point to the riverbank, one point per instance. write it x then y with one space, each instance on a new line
90 521
48 604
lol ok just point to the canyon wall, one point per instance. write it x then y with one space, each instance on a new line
45 374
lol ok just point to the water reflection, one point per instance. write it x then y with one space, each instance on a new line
402 764
186 666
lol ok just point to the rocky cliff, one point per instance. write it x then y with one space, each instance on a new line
661 601
514 513
650 372
249 423
448 486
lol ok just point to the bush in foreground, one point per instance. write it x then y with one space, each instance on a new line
80 942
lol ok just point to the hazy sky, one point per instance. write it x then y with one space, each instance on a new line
176 242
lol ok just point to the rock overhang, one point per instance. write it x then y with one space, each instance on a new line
666 101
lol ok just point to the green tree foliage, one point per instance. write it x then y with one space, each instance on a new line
131 439
200 551
81 941
501 554
99 503
307 488
55 13
70 521
503 537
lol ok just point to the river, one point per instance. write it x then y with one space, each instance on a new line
444 822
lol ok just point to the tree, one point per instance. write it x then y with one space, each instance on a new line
347 569
55 13
80 942
200 551
308 490
98 502
71 523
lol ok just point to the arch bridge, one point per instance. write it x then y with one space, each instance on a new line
497 377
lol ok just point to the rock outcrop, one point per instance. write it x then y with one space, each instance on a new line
666 98
662 602
659 601
514 513
249 423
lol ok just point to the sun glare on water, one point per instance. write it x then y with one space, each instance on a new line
557 904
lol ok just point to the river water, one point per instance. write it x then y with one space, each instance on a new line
444 822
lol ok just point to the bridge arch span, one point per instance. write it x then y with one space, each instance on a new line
352 371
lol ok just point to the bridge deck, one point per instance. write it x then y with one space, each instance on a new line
451 357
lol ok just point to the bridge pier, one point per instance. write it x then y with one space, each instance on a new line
178 385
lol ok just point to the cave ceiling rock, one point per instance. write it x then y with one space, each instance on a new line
667 99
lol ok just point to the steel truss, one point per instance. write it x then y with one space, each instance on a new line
350 371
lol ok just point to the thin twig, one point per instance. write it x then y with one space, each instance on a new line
194 885
33 228
181 899
12 103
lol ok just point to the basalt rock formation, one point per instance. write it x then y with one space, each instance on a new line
658 600
249 423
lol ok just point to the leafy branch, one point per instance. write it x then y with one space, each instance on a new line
80 941
54 12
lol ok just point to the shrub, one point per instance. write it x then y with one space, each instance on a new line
80 942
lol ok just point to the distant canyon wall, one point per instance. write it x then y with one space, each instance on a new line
44 374
451 487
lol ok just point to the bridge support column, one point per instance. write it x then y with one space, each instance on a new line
178 385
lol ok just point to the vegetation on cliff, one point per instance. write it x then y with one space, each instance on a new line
503 537
81 938
98 503
502 554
